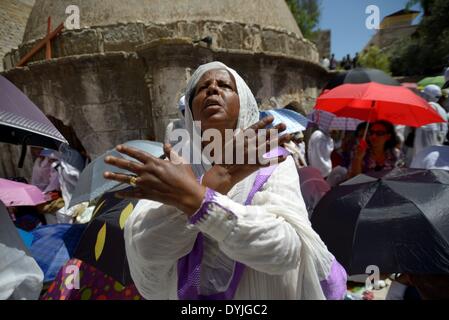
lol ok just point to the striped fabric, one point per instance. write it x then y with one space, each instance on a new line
18 111
19 122
295 122
328 121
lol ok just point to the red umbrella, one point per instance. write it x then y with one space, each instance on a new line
374 101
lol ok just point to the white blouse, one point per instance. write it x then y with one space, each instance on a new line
157 235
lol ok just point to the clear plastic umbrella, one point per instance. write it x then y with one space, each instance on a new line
294 121
92 184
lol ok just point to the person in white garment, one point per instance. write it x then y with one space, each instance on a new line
69 167
433 157
230 231
21 278
319 151
297 149
176 123
433 134
297 146
41 171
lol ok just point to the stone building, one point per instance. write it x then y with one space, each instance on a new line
120 75
13 16
323 43
393 28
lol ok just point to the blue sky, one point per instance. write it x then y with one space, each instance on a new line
346 19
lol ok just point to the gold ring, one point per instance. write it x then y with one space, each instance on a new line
132 181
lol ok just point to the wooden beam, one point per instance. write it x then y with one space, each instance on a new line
40 45
48 43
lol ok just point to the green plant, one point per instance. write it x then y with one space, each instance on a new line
374 58
307 14
427 51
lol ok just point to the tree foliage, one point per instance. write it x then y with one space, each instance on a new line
373 57
425 5
307 14
427 51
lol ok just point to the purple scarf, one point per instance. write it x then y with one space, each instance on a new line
189 266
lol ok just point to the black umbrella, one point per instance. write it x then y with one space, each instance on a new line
399 222
23 123
361 75
102 244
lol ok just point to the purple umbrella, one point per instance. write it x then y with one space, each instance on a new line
14 194
21 121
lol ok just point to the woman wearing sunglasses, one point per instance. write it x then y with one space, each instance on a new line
379 152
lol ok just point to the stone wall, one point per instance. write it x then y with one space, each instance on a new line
103 97
13 16
122 81
385 38
127 37
109 98
272 13
274 80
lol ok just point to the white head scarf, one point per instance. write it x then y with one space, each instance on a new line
432 93
249 112
316 260
182 104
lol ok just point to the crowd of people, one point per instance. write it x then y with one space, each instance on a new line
55 173
377 146
347 63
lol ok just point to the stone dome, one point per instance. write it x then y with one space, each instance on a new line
266 13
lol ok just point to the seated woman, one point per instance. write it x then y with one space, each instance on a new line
380 153
228 231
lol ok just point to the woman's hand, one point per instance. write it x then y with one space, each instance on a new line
166 181
360 150
222 177
356 167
